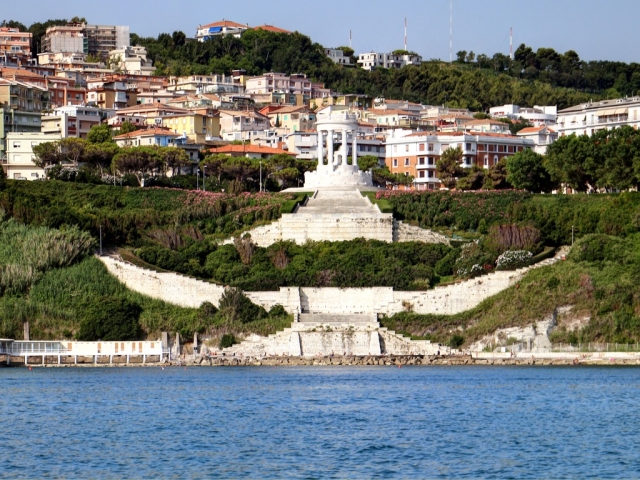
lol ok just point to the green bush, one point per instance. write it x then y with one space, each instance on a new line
456 340
110 319
598 248
235 306
277 311
227 340
445 266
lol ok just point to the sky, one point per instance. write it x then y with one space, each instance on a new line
595 29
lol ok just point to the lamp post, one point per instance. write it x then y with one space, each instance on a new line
197 179
260 175
204 178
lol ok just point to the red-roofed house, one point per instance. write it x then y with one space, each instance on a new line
161 137
271 28
225 27
542 137
250 151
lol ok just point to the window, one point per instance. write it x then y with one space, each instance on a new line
421 161
17 158
431 161
482 147
421 147
395 162
406 162
421 174
430 174
16 144
395 148
492 148
431 147
495 159
468 146
486 161
501 148
510 148
406 148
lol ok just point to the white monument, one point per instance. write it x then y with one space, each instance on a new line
333 170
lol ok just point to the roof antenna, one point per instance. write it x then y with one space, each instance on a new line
451 32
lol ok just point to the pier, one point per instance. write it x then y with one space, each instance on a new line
34 352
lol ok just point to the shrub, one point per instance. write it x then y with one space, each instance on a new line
277 311
444 267
236 306
227 340
512 259
598 248
456 340
110 318
512 237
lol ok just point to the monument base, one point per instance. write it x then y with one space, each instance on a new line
341 177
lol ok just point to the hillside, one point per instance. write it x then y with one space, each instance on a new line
173 230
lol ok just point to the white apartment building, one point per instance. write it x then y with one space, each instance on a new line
216 84
588 118
19 162
337 56
537 116
225 27
542 137
373 60
132 60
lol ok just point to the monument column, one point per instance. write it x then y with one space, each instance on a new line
354 155
320 150
330 149
345 149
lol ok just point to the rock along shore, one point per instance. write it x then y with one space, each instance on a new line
386 360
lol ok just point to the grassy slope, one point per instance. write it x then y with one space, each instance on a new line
605 290
54 307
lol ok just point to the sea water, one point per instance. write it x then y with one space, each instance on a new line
320 422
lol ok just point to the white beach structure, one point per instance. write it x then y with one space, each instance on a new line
333 169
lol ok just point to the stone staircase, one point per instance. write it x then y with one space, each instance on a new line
320 334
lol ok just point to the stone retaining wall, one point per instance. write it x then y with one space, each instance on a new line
190 292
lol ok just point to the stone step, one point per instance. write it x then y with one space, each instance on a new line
333 318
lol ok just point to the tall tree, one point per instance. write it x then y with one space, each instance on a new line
449 167
526 171
141 162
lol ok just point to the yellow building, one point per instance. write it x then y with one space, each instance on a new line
198 126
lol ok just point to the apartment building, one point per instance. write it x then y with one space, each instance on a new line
417 153
242 125
71 121
225 27
15 46
160 137
337 56
292 119
131 60
371 61
588 118
111 94
537 116
96 40
197 126
296 84
20 107
19 161
205 84
542 137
